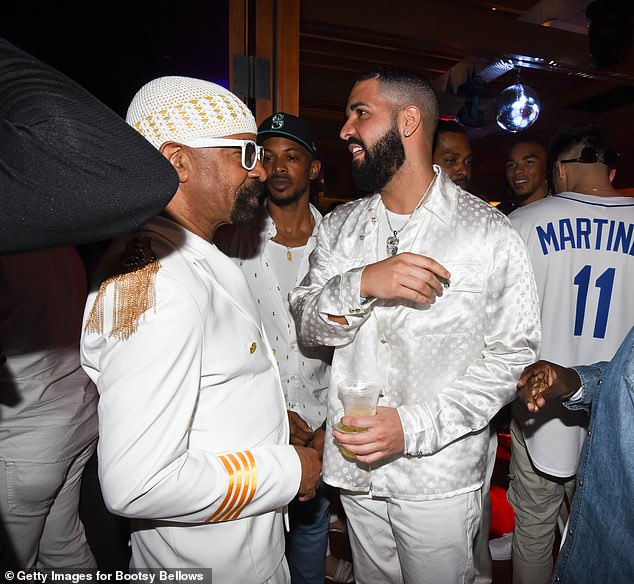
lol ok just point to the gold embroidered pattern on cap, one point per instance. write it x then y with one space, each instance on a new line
134 290
240 467
181 109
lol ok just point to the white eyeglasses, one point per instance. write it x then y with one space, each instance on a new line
251 152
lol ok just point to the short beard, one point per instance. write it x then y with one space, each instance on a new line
244 211
285 201
381 162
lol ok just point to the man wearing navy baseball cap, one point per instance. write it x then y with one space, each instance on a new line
288 126
273 255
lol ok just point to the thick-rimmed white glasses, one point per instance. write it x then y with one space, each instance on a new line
251 152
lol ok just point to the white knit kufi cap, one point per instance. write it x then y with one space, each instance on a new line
180 109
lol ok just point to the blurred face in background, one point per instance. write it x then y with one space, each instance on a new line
453 154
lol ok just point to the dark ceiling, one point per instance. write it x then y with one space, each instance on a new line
447 40
113 47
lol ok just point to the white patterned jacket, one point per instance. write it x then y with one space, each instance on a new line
449 367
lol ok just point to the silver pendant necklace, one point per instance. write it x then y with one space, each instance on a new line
392 242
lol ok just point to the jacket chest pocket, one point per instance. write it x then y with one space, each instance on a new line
461 308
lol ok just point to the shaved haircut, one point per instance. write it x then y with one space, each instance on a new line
403 88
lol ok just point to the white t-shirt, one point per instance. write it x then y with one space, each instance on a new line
286 262
582 251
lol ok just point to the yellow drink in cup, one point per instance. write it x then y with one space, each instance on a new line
359 398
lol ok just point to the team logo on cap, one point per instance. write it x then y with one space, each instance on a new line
277 122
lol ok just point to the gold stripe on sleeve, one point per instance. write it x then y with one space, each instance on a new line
250 485
222 506
240 486
241 468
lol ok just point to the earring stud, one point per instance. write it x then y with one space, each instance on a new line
406 132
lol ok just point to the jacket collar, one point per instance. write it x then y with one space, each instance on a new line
216 266
187 242
441 202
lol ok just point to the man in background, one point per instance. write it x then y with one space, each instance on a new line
526 175
48 411
452 152
580 244
599 540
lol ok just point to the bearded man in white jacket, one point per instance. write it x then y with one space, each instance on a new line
427 291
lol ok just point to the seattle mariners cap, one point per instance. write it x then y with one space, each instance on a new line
284 125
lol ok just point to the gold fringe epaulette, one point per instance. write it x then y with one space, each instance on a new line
134 280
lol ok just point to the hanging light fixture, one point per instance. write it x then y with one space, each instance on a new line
517 107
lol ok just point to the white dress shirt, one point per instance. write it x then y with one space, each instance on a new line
304 370
448 367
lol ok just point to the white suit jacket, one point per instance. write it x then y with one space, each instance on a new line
449 367
193 429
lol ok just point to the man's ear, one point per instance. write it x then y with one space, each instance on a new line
560 170
179 158
409 120
315 169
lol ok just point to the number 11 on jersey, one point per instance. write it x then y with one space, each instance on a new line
605 284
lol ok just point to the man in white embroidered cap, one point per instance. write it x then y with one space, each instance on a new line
426 291
194 439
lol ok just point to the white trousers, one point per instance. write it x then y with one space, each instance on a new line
39 506
412 542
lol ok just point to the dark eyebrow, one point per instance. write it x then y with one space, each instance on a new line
286 150
525 157
356 104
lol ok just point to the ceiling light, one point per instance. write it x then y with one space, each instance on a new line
517 107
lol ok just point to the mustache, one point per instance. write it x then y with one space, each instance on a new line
256 188
356 141
279 177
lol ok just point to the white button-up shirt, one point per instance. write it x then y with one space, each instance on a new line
448 367
304 370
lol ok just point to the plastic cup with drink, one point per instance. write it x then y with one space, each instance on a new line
359 398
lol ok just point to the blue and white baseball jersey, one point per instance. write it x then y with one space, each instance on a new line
582 251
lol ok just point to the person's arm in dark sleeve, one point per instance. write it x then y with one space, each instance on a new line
71 170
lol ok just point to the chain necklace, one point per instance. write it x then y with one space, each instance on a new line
392 242
289 248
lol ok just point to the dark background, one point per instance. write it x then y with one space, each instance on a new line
113 48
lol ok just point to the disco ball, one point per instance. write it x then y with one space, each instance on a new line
517 108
